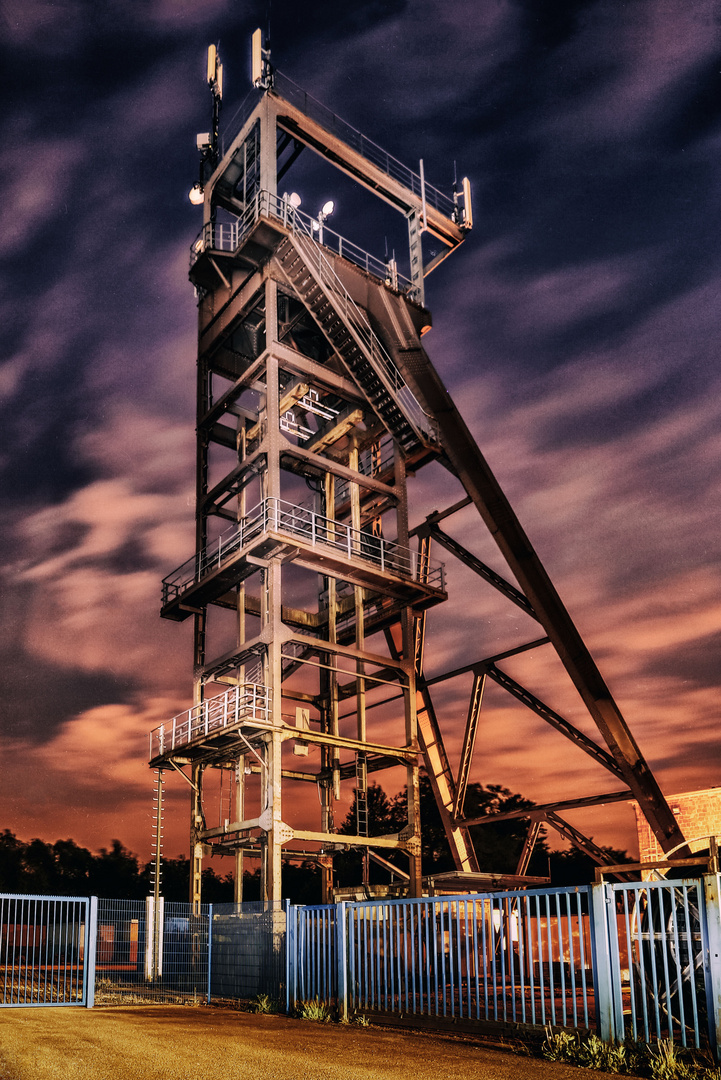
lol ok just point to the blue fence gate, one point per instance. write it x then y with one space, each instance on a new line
658 964
148 955
47 948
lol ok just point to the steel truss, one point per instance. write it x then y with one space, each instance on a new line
315 399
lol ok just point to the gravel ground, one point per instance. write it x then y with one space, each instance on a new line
184 1043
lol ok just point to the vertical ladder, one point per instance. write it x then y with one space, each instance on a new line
361 794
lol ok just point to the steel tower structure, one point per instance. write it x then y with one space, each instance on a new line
315 399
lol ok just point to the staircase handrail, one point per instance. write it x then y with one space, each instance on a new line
423 424
228 236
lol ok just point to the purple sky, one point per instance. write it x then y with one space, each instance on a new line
577 328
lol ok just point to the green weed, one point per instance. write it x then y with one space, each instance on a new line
666 1064
313 1010
263 1003
560 1045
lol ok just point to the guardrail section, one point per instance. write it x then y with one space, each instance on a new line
247 702
297 522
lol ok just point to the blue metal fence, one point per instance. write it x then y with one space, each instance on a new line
513 957
637 960
46 950
640 960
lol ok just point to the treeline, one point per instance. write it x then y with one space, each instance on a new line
66 869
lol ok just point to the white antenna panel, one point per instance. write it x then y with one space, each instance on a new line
467 205
256 58
212 62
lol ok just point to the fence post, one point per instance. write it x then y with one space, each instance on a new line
290 955
210 945
601 900
341 957
712 892
91 948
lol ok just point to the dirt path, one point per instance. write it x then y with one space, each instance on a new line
182 1043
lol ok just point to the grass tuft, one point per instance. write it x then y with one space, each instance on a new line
313 1010
263 1003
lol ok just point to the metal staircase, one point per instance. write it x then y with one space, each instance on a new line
348 328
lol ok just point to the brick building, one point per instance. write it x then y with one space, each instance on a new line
698 814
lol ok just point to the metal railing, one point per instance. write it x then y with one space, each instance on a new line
369 342
333 124
249 701
312 528
315 110
228 235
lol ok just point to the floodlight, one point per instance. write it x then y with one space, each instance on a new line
328 208
294 200
203 140
196 194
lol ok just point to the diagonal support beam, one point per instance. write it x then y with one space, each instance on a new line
479 482
529 844
469 740
437 765
540 811
439 773
555 720
479 567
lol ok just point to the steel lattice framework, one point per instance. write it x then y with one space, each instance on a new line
315 399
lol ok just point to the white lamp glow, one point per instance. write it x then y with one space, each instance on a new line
196 195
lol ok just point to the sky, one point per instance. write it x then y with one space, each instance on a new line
577 328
